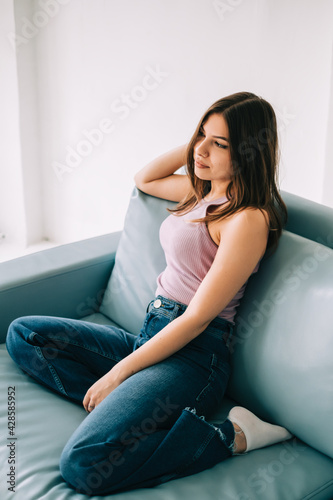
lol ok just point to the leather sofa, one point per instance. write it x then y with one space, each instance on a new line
282 356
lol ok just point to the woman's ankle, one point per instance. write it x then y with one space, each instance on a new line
239 441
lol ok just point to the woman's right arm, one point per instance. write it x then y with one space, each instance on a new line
158 178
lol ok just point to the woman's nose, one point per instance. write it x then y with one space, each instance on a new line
201 149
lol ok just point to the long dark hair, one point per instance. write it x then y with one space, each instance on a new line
253 143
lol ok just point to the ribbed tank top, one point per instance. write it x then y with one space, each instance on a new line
189 252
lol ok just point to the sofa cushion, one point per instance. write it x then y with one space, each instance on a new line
283 341
139 260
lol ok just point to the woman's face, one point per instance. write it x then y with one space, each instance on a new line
212 160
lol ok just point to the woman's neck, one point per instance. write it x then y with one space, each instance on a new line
217 191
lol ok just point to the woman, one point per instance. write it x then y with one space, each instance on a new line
148 395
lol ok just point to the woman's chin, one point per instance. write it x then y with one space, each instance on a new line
202 173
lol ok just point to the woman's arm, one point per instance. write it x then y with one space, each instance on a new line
158 178
242 245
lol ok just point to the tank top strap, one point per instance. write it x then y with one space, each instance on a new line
203 204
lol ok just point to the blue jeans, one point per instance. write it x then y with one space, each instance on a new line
152 427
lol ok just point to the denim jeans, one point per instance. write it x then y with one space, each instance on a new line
152 427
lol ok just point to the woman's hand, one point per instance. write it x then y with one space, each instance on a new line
100 389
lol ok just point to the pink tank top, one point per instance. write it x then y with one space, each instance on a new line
189 252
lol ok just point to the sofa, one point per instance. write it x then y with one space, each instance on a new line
282 356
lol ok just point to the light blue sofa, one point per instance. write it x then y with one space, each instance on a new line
282 356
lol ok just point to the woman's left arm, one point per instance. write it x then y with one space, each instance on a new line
242 245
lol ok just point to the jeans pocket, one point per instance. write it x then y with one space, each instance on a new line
153 323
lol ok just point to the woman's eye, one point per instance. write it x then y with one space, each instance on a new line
222 146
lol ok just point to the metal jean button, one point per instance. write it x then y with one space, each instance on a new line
157 303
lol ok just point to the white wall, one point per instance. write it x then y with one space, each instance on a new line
31 123
12 215
327 197
90 55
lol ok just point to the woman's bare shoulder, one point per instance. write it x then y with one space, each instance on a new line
251 215
249 219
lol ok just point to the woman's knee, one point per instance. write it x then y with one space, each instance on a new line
17 332
87 476
25 328
20 341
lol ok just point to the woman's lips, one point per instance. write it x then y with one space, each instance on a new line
200 165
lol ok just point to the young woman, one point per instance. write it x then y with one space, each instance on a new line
148 396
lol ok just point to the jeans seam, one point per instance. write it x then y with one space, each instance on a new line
204 444
199 451
54 374
77 344
210 380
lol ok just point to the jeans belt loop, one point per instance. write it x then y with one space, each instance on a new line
229 336
148 306
175 311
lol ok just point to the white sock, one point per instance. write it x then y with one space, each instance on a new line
257 432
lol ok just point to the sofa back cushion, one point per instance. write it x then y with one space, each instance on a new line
282 348
283 341
139 260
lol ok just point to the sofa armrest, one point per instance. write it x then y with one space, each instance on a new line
67 281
